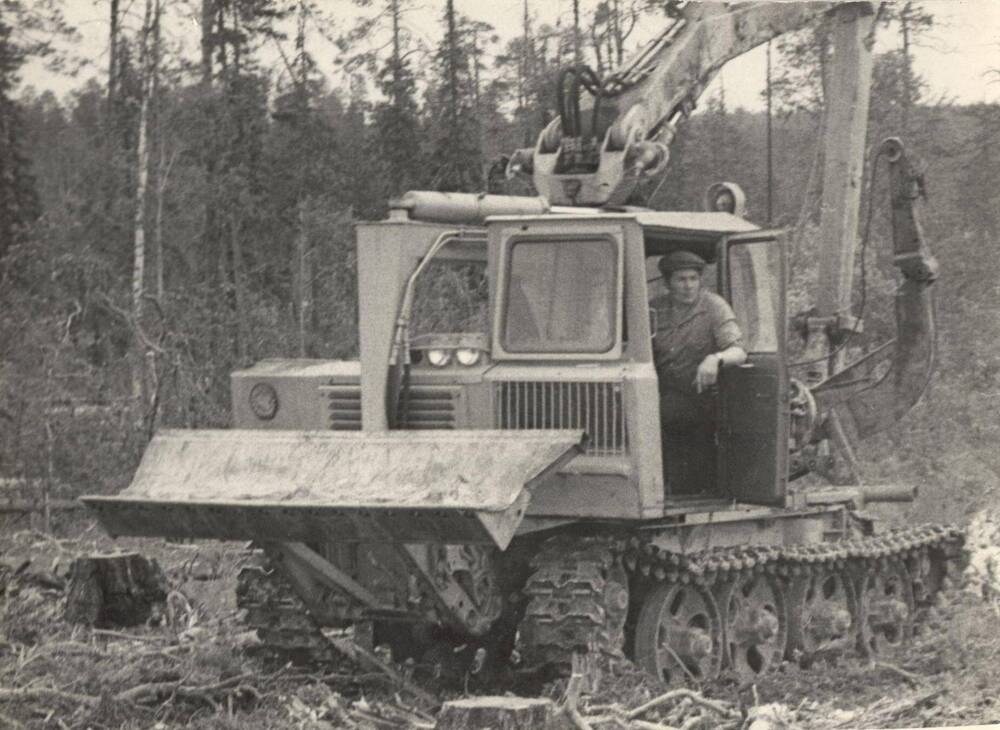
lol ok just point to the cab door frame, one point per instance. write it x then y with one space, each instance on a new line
754 397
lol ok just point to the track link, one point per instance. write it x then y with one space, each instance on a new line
577 601
909 544
286 630
877 581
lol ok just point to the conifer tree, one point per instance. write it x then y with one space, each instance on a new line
18 198
396 132
457 163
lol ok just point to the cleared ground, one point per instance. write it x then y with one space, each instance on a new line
195 667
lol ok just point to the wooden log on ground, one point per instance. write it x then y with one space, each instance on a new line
496 713
114 590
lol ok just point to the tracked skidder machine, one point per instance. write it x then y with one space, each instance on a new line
504 489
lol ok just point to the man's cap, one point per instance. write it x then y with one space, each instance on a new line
681 260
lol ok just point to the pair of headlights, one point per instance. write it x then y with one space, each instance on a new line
439 357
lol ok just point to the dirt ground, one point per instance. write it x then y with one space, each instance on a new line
196 667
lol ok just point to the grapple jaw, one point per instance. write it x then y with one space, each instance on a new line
456 487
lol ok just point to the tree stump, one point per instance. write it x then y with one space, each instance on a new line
496 713
114 590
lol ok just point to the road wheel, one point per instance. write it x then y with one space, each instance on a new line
678 635
887 608
755 623
822 613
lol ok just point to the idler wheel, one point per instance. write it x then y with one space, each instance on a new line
887 607
678 635
822 606
755 623
928 570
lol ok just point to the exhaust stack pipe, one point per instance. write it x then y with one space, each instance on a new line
462 208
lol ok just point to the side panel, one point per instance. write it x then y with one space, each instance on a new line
753 435
641 384
301 388
387 255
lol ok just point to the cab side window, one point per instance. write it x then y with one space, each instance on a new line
754 281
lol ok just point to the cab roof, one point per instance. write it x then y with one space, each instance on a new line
663 231
714 224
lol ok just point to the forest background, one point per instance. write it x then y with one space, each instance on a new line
192 212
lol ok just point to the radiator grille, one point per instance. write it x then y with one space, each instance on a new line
429 407
596 407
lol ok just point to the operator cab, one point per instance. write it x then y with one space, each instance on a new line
744 266
561 339
571 303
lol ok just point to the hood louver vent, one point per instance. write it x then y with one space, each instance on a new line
345 407
428 407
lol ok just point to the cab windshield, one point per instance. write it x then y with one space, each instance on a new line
561 296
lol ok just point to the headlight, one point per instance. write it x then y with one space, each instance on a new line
467 356
726 197
264 401
725 202
439 358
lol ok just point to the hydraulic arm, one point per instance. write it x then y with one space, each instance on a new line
597 150
874 392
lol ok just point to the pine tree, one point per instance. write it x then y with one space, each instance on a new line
914 22
451 118
19 204
396 127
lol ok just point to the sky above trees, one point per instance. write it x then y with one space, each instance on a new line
955 59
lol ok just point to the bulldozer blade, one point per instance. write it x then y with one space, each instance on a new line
316 486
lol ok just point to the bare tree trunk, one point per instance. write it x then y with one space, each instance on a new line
110 136
619 34
452 70
160 171
162 176
577 56
112 57
49 467
770 138
596 41
211 30
303 285
236 35
239 291
142 170
207 23
396 51
523 87
142 178
904 22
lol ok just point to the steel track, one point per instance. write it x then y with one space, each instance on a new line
578 592
567 610
286 630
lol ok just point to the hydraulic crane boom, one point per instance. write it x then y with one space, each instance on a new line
596 152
